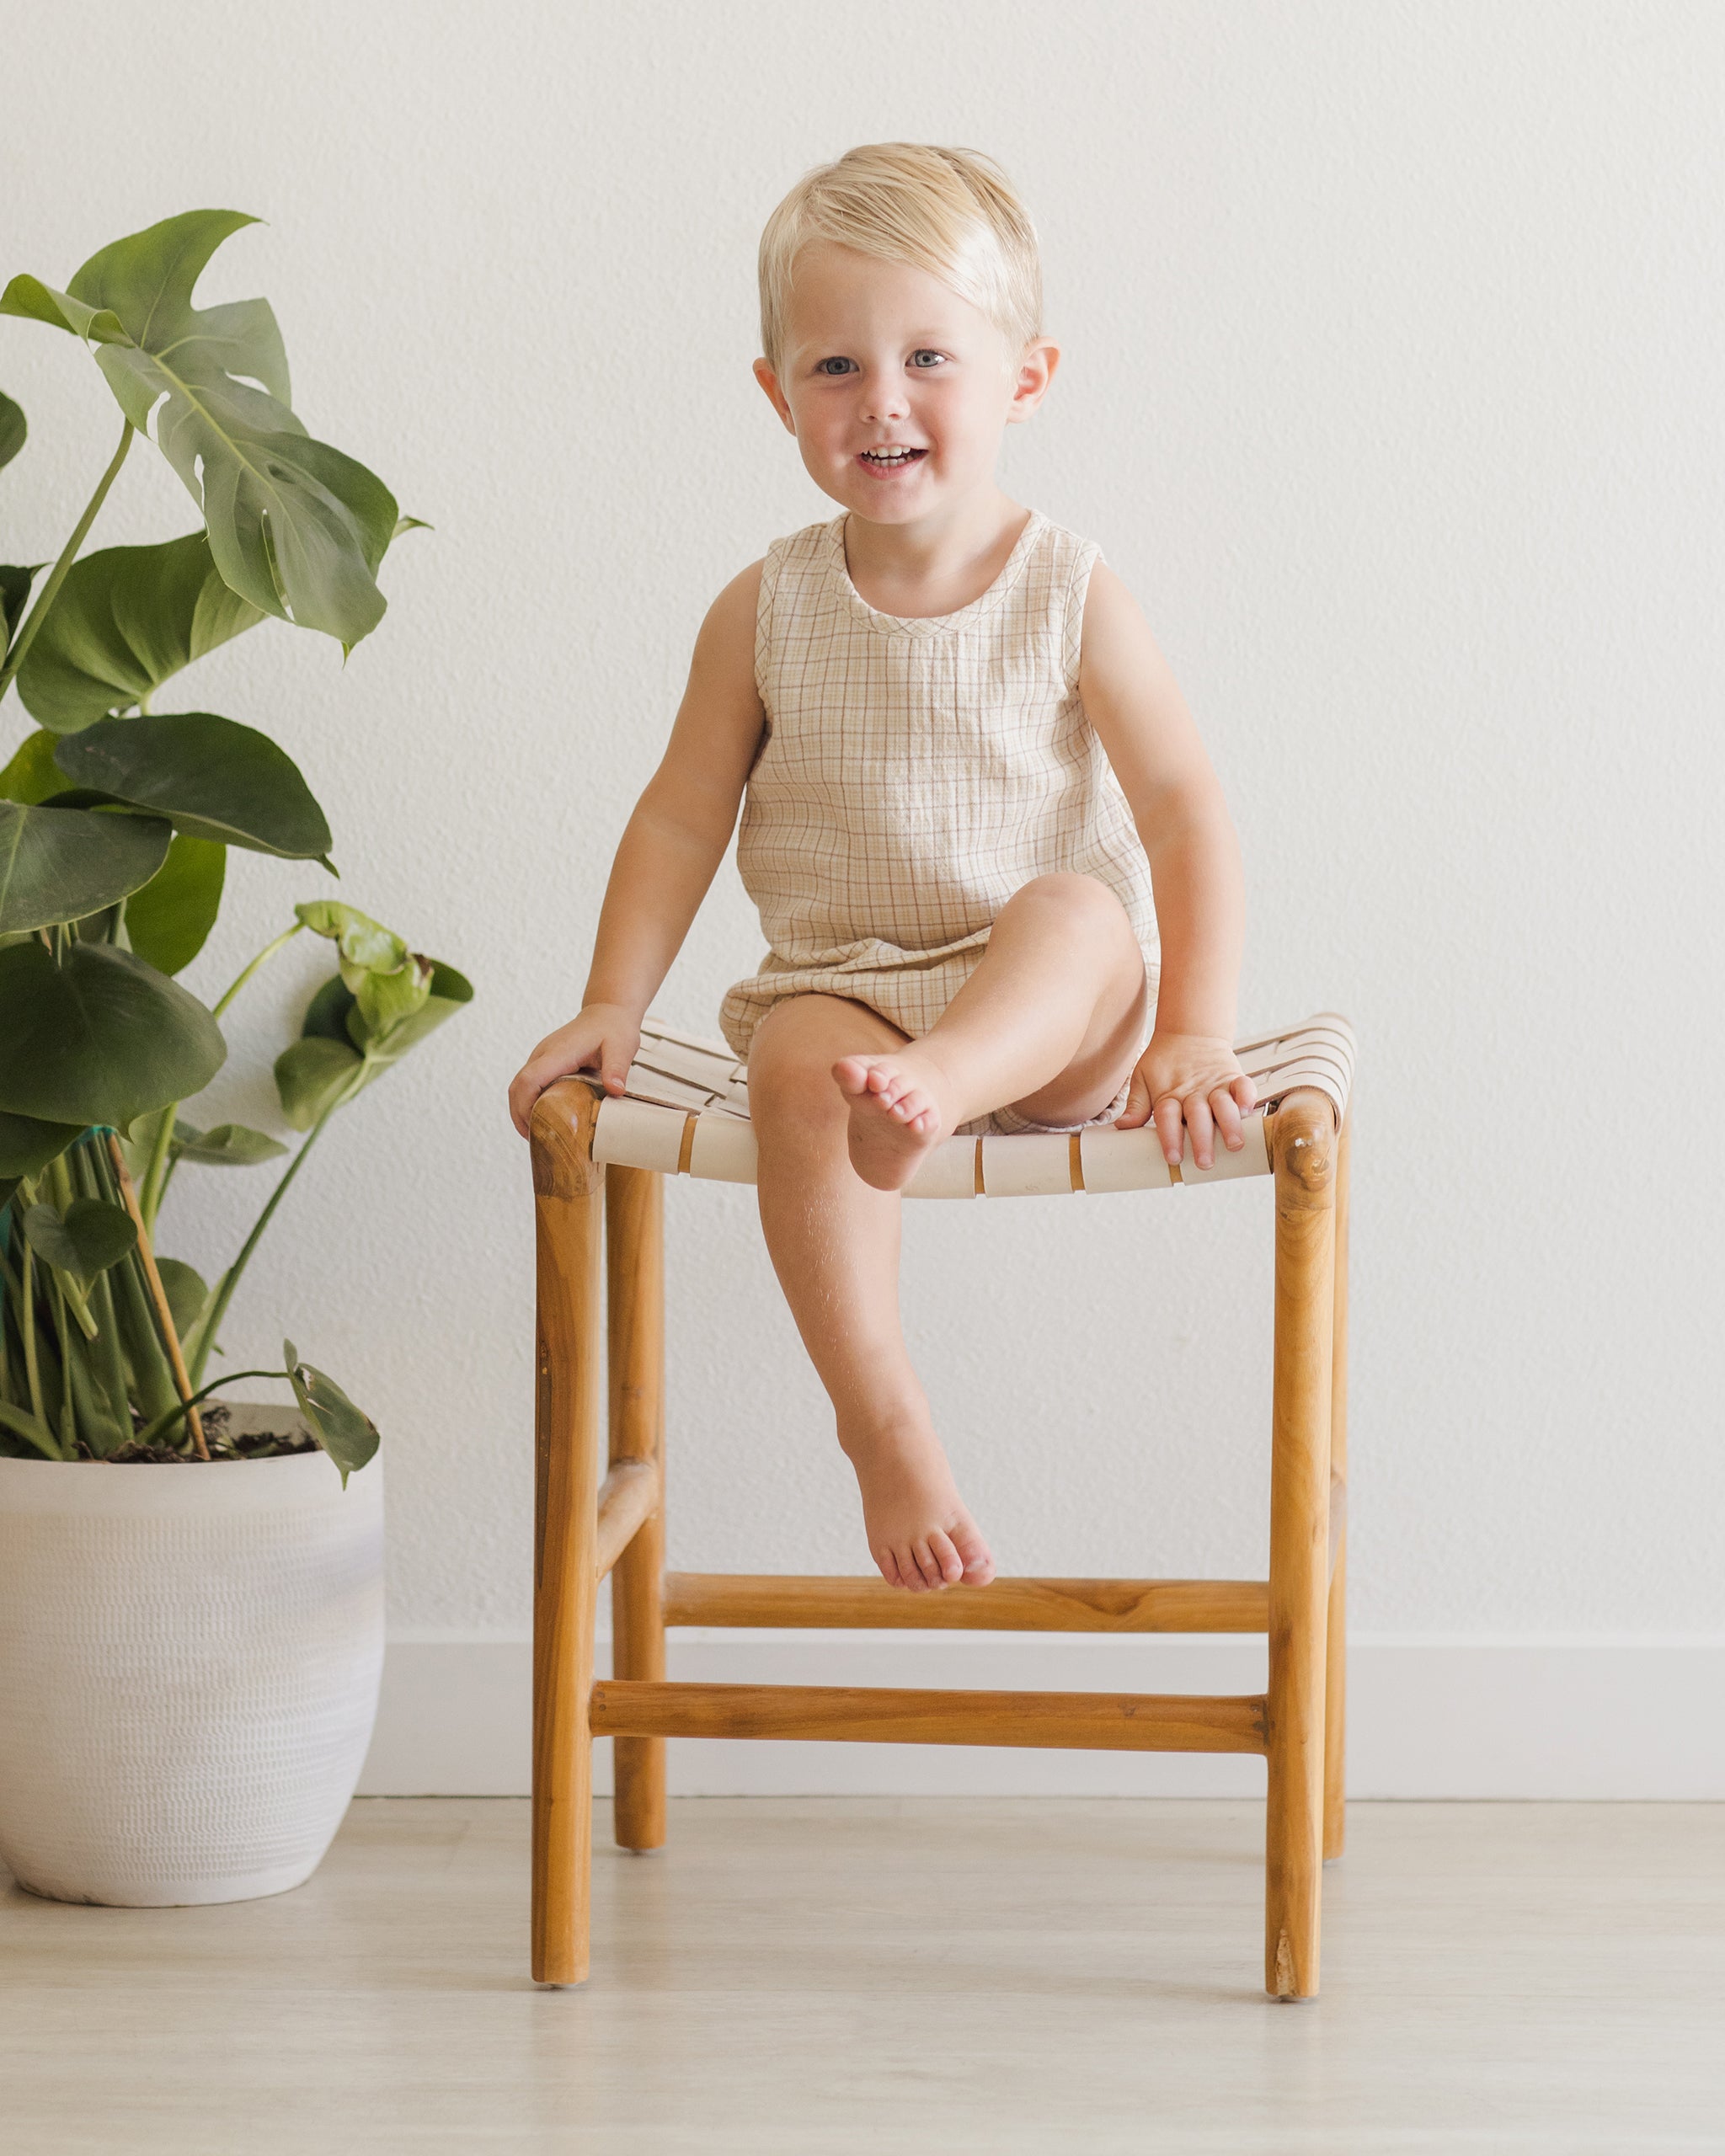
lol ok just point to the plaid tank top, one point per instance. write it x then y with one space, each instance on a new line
915 774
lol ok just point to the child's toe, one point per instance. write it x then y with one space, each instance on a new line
952 1564
928 1565
974 1552
910 1571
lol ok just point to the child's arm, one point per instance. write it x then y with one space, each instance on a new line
670 850
1188 1073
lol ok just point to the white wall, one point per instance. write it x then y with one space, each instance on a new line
1390 387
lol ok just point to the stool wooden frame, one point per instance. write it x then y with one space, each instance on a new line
602 1227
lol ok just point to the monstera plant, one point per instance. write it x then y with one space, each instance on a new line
116 822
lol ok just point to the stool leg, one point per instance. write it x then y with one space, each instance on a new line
568 1209
634 1216
1304 1141
1336 1630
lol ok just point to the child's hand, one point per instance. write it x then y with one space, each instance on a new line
1193 1079
604 1038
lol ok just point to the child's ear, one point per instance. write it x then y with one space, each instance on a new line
776 397
1030 383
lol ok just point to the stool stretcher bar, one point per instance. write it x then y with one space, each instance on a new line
1008 1605
1073 1722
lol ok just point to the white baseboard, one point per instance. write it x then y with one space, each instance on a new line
1613 1716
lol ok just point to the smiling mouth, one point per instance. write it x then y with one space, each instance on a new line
899 459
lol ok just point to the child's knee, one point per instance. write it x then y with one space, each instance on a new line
1087 900
791 1084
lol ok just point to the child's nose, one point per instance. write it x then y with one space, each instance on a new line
884 397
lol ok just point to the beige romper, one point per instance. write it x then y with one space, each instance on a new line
914 775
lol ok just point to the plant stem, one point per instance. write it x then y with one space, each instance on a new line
153 1186
11 1309
50 590
230 1279
73 1290
76 1301
109 1357
153 1375
68 1420
268 951
32 1369
145 1255
162 1423
12 1415
27 1426
152 1379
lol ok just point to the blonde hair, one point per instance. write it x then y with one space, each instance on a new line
950 212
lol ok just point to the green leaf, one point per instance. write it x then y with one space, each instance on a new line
327 1013
448 990
13 431
309 1076
101 1039
92 1236
228 1145
168 921
335 1005
32 775
362 944
27 1145
35 301
348 1436
61 864
336 1016
137 1141
126 620
296 527
186 1291
385 1001
15 596
211 777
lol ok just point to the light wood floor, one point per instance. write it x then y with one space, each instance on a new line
834 1976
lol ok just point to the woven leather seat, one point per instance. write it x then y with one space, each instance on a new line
686 1111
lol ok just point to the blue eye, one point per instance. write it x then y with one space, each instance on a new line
832 366
938 358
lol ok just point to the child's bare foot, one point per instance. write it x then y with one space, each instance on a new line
895 1116
919 1533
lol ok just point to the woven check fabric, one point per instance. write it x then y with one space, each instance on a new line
915 774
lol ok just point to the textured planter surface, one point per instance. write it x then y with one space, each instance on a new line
189 1658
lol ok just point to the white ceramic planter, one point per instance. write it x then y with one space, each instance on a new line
189 1658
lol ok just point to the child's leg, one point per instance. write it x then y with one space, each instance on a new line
835 1244
1048 1023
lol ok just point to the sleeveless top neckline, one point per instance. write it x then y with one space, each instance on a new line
931 625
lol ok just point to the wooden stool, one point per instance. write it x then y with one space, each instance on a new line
686 1113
